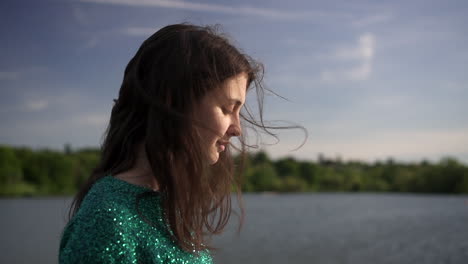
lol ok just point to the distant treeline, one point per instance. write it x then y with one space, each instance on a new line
26 172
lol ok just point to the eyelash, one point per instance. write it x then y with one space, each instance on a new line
227 111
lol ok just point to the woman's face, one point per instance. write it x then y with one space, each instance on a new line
219 112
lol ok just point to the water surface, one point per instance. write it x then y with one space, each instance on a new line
291 228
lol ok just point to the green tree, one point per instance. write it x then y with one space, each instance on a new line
87 160
61 176
328 180
287 167
260 157
10 167
308 172
262 178
293 184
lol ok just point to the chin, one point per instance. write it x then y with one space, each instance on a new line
214 158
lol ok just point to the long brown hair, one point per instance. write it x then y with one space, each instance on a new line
172 70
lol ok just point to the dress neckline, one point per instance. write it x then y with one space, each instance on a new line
124 183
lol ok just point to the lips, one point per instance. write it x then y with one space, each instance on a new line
221 145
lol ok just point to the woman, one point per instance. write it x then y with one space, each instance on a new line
163 184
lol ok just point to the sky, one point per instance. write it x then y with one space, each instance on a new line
369 80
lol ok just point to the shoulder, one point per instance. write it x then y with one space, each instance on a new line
97 236
98 233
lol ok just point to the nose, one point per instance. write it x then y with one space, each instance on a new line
234 131
235 128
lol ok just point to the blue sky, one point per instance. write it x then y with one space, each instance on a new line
368 79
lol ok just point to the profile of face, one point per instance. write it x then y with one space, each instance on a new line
218 110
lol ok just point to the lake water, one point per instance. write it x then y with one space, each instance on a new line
291 228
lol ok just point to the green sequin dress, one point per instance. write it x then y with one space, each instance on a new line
108 229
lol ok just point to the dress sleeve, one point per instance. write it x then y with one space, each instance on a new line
97 237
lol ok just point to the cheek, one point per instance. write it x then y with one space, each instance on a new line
211 120
218 123
223 124
219 126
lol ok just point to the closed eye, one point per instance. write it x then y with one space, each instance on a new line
231 106
228 110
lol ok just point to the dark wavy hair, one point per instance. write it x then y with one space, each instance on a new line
172 70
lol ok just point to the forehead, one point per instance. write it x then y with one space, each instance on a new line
235 88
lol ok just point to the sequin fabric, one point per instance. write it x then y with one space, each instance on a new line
109 229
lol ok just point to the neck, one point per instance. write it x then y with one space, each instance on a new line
141 174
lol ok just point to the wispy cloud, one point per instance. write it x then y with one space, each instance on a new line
411 143
94 119
23 73
139 31
36 105
9 76
54 132
364 50
40 102
407 145
80 15
372 20
91 42
363 53
216 8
